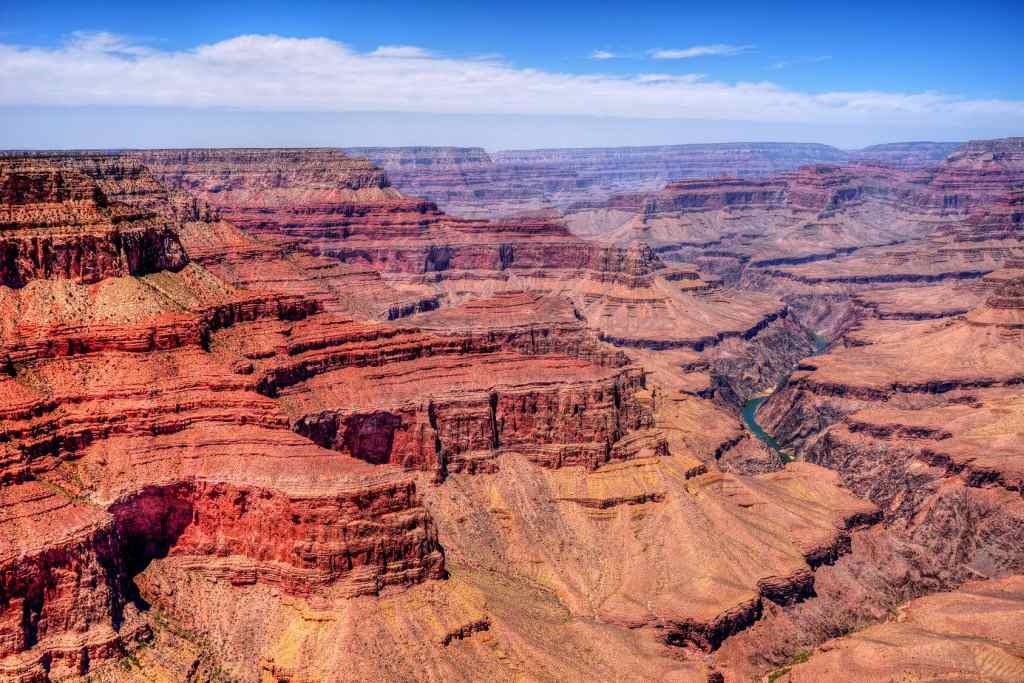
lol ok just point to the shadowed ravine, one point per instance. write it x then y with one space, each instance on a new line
751 406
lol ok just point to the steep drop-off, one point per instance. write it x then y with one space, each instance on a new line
225 457
321 430
468 181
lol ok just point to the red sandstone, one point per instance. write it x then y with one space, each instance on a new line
324 430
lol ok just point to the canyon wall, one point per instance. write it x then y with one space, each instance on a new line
219 419
271 417
470 182
912 274
822 234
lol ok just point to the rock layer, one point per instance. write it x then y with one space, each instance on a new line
125 429
970 634
332 430
58 223
470 182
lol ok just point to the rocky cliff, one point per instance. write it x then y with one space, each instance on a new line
916 278
58 223
126 430
470 182
327 431
818 235
624 290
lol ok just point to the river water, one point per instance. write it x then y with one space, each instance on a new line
751 406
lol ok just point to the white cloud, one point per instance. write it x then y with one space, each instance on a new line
271 73
401 51
719 50
603 54
101 41
669 78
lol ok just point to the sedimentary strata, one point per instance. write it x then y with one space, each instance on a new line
467 181
970 634
124 431
819 235
921 418
323 430
222 425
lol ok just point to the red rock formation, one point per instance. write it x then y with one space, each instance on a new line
57 223
60 581
469 182
344 209
970 634
424 245
927 363
819 234
250 442
922 418
980 172
126 427
354 220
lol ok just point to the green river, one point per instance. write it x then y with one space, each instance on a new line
751 406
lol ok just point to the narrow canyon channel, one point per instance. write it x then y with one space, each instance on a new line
750 407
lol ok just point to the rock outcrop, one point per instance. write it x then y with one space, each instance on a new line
623 290
332 205
922 417
319 429
820 235
58 223
916 277
971 634
128 436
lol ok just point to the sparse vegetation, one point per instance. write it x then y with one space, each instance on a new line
800 658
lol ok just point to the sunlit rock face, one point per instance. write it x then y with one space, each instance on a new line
270 417
821 235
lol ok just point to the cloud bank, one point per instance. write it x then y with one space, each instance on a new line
272 73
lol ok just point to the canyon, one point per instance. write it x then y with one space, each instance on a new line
469 181
400 414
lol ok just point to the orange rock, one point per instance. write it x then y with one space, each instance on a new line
327 431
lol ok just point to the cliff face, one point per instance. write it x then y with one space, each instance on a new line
980 172
623 289
470 182
820 234
125 432
325 429
341 207
58 223
966 214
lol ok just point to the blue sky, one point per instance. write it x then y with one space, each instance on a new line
454 73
